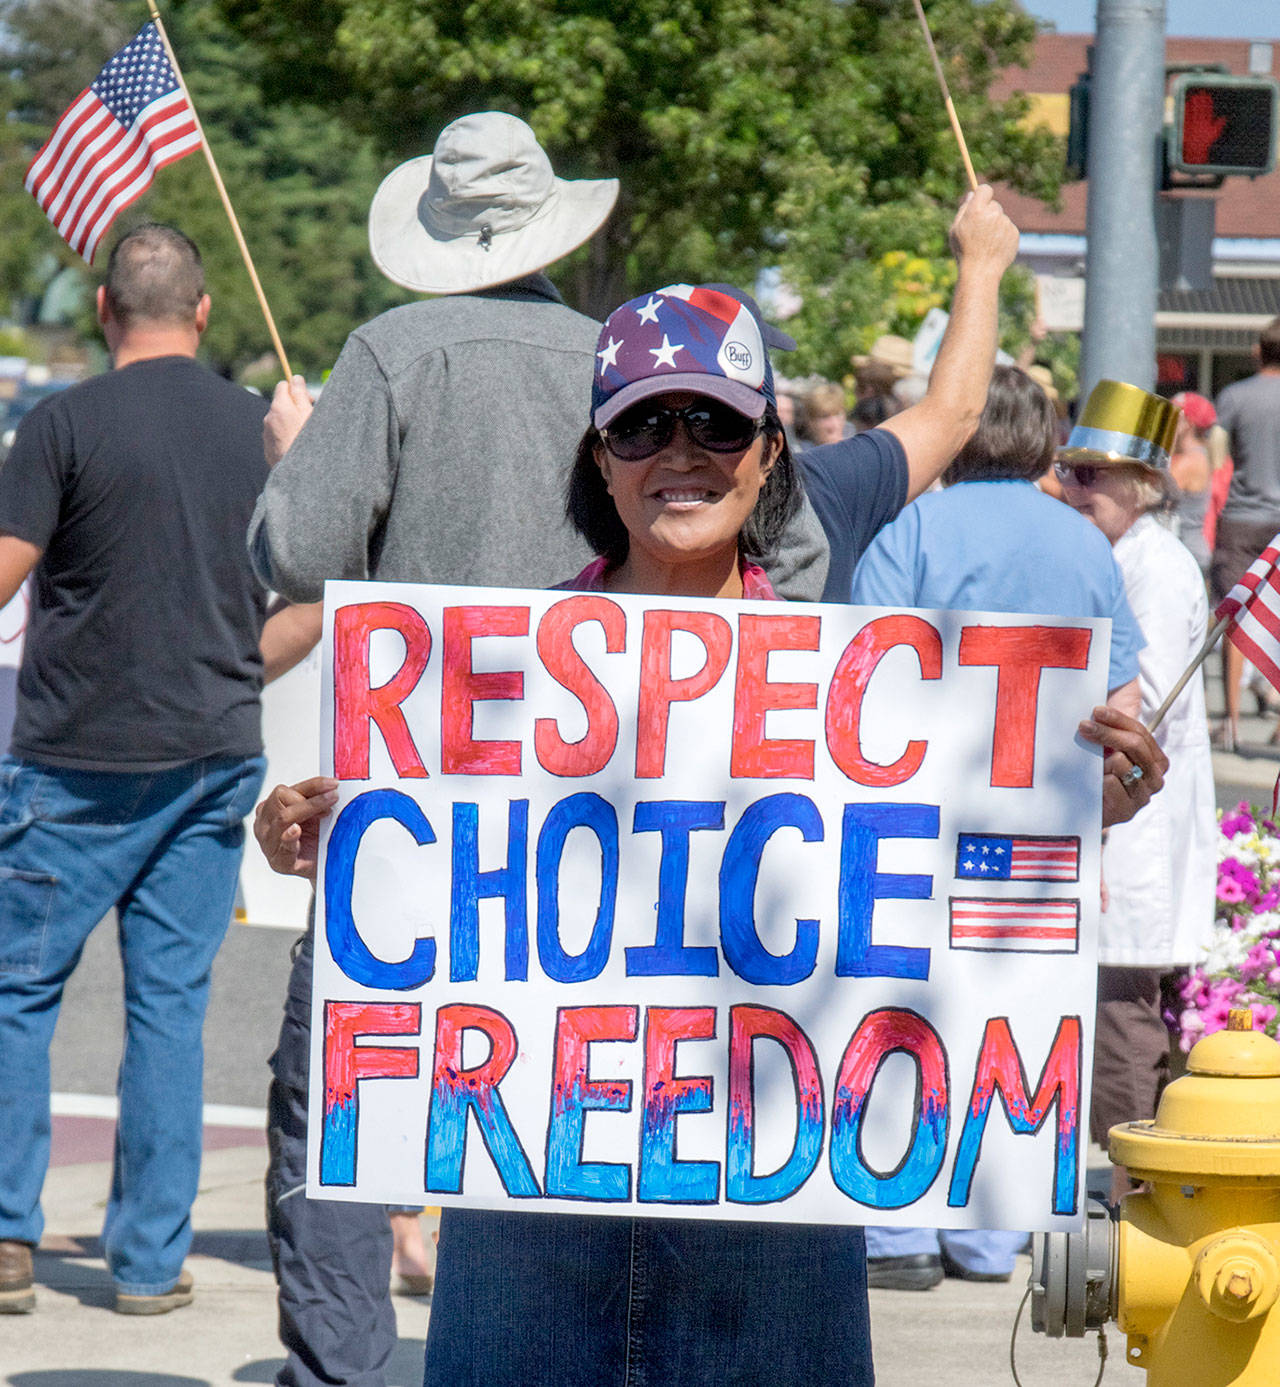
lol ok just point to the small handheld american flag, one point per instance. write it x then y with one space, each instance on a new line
132 120
1251 613
1254 608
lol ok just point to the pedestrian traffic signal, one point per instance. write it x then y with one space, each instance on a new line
1078 129
1223 124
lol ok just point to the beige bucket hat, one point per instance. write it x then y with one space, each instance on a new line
483 208
889 350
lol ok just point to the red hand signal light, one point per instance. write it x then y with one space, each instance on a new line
1223 124
1201 126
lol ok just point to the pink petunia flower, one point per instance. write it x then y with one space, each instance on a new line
1192 1024
1258 960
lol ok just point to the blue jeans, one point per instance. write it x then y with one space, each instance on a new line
542 1300
164 848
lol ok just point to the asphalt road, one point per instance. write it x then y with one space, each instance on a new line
249 979
253 967
958 1334
249 982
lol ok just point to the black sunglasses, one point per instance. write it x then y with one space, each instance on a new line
1080 474
645 429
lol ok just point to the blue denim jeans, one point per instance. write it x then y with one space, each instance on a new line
542 1300
164 848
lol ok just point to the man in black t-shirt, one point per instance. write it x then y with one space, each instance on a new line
136 750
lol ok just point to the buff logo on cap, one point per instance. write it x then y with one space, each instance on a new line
737 356
682 337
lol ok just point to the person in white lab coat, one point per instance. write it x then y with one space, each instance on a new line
1159 869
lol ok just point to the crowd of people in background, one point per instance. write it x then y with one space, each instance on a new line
886 381
1203 489
822 482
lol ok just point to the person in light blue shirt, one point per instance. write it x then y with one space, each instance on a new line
991 541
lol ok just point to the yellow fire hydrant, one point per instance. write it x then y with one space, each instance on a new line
1198 1265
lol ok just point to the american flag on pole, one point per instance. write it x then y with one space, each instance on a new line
996 857
1254 605
1003 925
132 120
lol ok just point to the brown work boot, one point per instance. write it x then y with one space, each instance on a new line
183 1293
17 1291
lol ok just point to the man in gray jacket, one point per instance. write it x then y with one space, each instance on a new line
437 452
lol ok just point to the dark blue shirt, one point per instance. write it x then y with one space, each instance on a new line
855 486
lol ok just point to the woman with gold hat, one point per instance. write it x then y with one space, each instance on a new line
1160 868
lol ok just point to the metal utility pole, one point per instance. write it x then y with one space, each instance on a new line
1126 158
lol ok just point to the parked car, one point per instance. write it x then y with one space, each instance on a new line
23 402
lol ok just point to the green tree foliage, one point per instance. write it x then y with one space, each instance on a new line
49 51
54 48
805 134
300 179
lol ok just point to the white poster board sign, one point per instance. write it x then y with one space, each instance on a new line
928 338
746 910
14 616
290 729
1060 302
13 627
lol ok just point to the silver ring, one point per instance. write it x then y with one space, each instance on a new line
1131 776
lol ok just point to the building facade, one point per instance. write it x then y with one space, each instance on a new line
1204 336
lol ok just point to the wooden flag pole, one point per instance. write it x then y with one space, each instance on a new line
946 97
222 193
1209 642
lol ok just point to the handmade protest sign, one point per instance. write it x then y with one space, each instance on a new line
738 910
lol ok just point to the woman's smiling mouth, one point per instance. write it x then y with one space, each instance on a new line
682 495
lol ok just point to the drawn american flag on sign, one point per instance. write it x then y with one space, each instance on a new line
103 154
992 857
1018 926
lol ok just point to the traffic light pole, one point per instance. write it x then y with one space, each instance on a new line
1126 161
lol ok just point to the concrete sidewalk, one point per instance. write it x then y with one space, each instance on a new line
227 1336
957 1334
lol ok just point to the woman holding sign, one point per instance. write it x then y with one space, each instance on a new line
681 484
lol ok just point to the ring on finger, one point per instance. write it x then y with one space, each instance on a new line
1131 776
